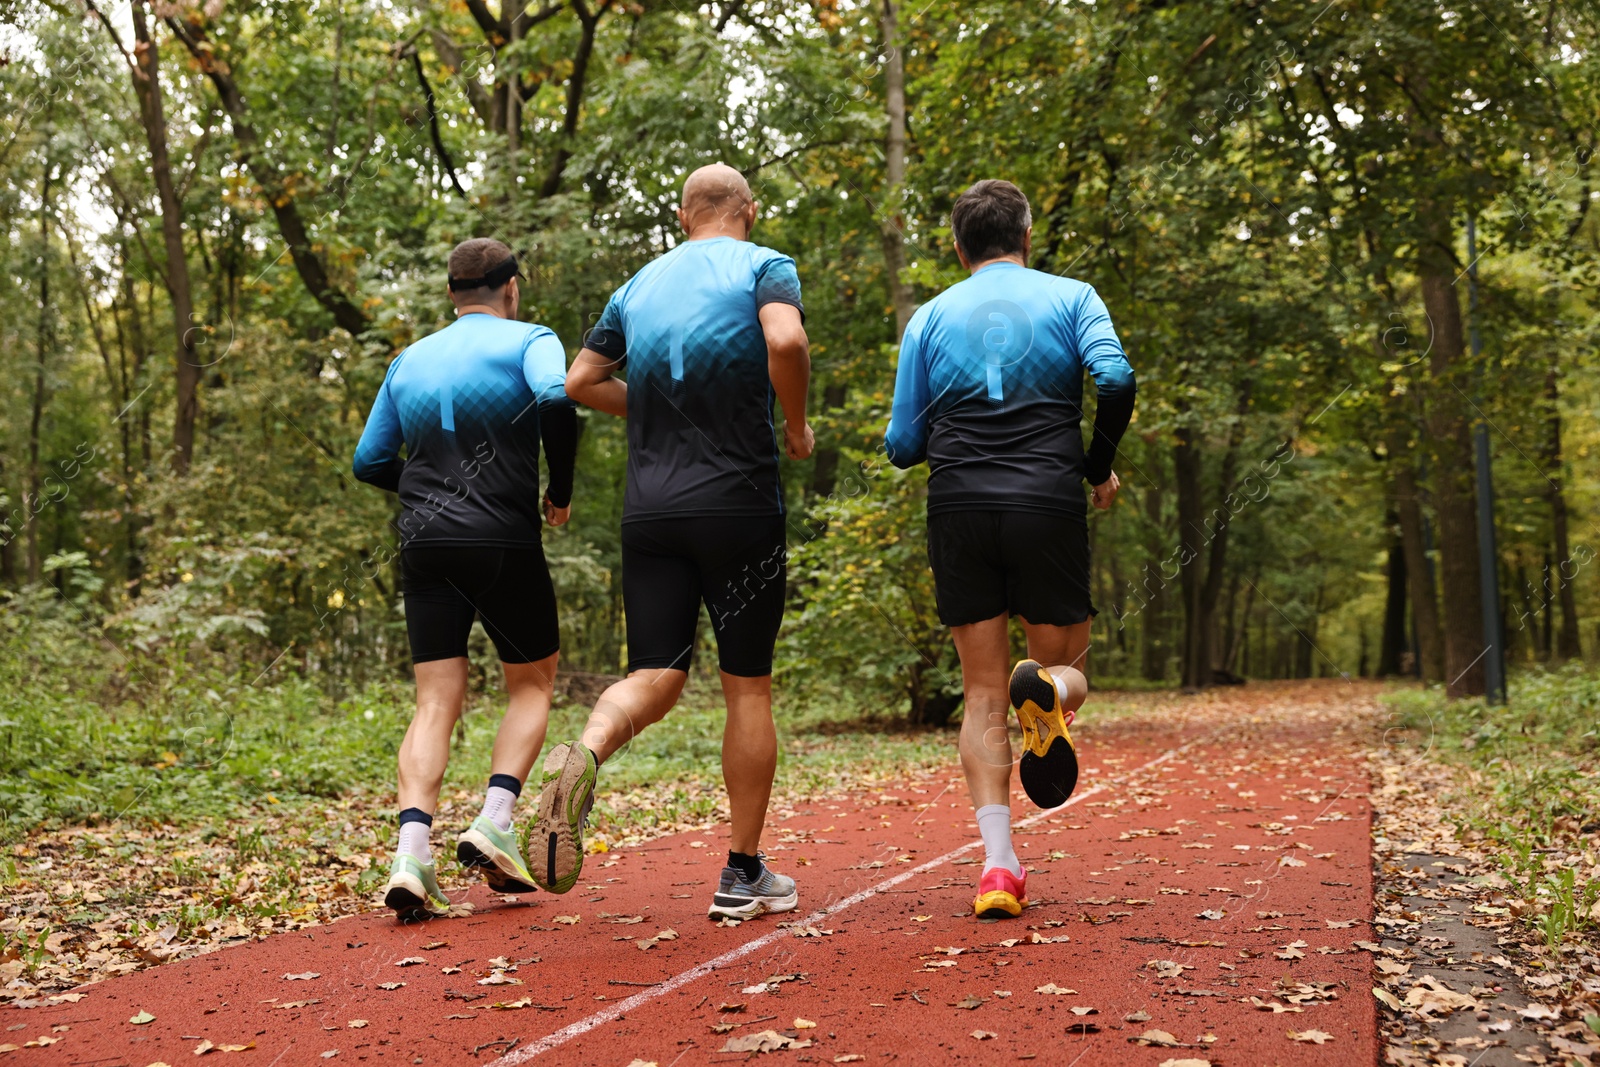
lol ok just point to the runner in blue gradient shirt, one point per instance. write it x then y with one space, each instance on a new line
470 405
989 391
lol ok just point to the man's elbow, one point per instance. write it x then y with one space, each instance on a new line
1120 385
789 345
903 454
371 473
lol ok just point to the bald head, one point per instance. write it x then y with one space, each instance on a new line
716 201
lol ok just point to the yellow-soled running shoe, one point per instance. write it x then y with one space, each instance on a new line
1049 764
1001 894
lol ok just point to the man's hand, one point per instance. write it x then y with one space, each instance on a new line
1103 494
798 442
556 516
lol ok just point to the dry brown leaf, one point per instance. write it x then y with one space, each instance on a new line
1158 1039
765 1041
1313 1037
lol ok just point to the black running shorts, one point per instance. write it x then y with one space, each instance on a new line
1025 563
736 564
509 589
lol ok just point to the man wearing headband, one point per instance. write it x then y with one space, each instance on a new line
707 335
471 404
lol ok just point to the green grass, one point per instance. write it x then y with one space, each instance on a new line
1532 786
203 747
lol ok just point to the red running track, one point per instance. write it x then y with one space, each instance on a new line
1233 846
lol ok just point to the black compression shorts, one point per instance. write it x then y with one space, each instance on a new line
736 564
1030 564
509 589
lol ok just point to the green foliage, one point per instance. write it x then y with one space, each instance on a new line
1250 188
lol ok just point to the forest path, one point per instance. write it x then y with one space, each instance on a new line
1216 851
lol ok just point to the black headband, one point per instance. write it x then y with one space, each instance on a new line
493 278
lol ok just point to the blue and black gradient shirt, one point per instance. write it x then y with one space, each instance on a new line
471 403
700 433
990 392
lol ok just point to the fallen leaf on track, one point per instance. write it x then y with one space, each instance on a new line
1157 1038
1051 988
568 920
499 978
303 977
1168 968
512 1005
1314 1037
1272 1006
982 1035
142 1018
765 1041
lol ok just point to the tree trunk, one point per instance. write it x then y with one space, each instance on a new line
1392 645
1153 650
8 532
513 11
826 468
892 226
32 498
1419 569
1567 643
1196 661
1454 494
147 84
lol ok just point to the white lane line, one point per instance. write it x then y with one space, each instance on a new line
700 970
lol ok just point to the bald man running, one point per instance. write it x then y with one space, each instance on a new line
708 333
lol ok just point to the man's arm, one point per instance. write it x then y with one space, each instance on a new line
591 384
591 380
544 367
377 460
789 367
906 440
1115 388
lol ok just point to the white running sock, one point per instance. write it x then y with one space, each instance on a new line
497 804
1061 687
414 841
994 824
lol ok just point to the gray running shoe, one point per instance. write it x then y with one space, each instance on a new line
737 898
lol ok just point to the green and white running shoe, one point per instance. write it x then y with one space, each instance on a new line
565 798
494 851
413 890
739 898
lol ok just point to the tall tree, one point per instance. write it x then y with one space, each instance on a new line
894 169
144 66
292 227
42 340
